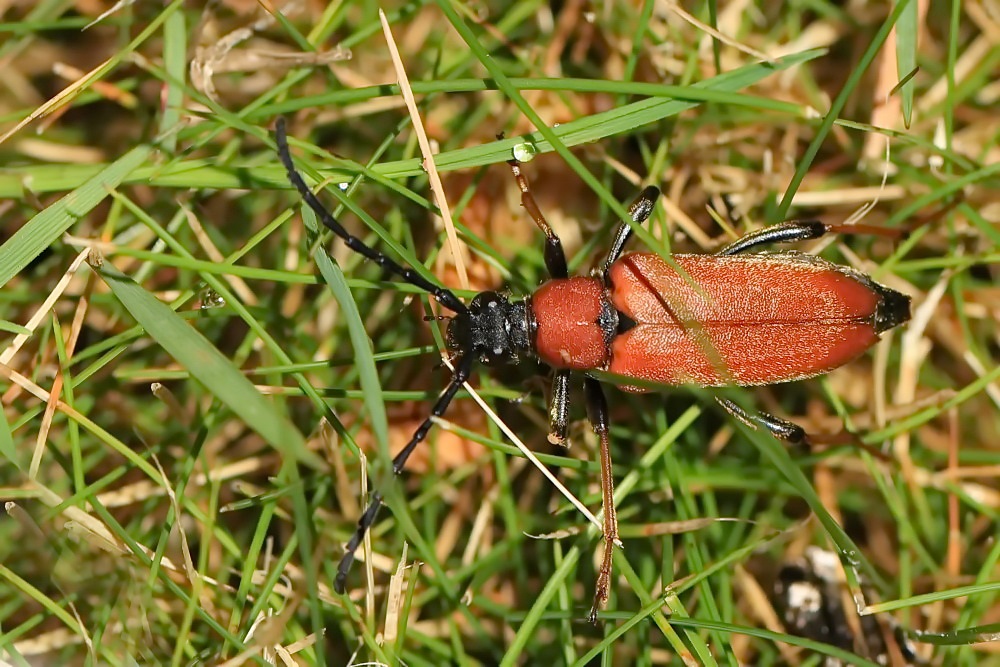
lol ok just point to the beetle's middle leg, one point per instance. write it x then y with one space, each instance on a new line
597 409
559 408
639 210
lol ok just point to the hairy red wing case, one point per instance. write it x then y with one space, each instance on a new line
722 355
746 320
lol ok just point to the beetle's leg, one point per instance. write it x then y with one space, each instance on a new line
792 433
463 368
559 408
785 232
597 410
800 230
639 211
555 257
779 428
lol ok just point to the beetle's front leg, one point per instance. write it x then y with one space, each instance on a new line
555 256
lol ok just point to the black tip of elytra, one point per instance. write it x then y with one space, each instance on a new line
893 309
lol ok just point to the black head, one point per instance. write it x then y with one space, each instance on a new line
494 329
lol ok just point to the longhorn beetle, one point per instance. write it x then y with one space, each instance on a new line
733 318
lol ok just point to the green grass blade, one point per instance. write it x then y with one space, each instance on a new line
40 232
207 365
364 361
620 120
907 33
853 81
7 449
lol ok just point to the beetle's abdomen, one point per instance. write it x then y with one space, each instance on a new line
574 323
743 320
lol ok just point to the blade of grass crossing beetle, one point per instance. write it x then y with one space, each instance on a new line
210 367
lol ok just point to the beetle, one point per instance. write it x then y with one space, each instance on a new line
733 318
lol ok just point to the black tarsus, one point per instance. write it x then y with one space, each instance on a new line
780 428
444 296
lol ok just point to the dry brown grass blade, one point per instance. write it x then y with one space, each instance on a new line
425 150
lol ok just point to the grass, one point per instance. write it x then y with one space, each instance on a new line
188 382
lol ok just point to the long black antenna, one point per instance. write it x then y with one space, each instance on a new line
444 296
463 368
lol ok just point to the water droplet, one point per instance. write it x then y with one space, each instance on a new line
211 299
524 152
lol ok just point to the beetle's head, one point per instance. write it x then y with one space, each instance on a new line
494 329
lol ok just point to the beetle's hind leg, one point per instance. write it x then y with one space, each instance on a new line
781 429
792 433
597 410
785 232
799 230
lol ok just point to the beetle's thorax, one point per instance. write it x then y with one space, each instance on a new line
574 323
495 329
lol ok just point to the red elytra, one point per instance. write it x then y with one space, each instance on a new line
714 320
720 321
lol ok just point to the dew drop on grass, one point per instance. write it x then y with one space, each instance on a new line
211 299
524 152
